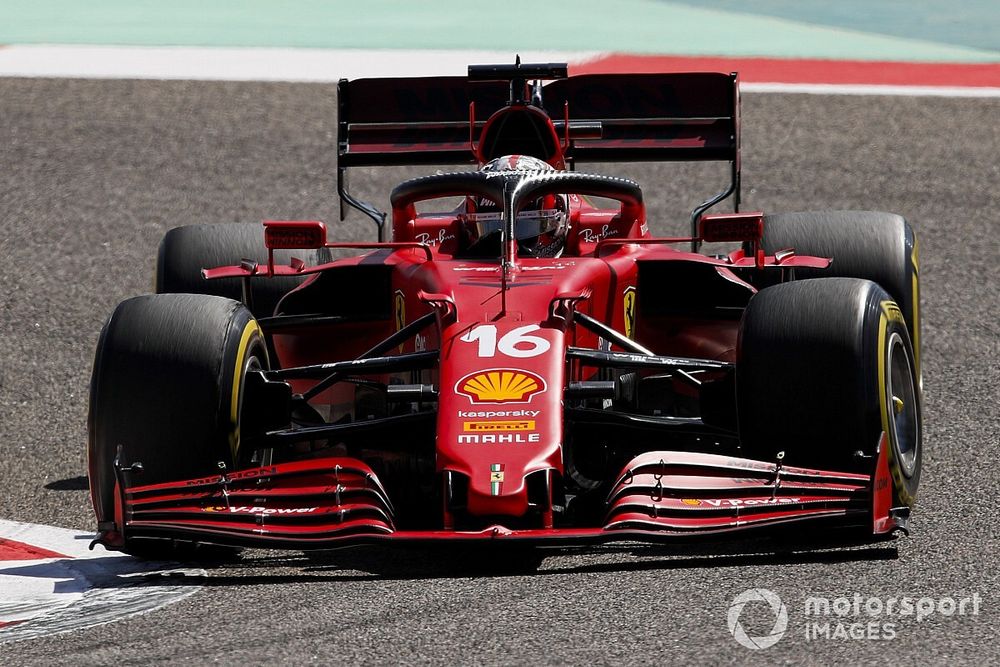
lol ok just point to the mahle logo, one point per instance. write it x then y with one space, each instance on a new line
780 618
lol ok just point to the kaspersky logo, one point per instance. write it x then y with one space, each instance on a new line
500 385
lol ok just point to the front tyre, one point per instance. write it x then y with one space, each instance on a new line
168 387
871 245
824 367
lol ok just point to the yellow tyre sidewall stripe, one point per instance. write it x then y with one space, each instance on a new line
249 331
915 334
890 312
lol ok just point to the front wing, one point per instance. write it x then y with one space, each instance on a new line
659 497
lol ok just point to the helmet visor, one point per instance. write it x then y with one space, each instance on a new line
528 225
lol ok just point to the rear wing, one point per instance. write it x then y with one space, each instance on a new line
596 117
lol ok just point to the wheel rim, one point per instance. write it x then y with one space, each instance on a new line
902 406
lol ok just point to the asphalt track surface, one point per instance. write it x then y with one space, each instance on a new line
93 173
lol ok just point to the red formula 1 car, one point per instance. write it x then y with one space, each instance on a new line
523 361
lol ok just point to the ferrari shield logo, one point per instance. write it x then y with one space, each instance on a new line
629 305
399 310
496 478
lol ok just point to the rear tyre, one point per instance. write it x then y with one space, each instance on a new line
823 368
185 251
871 245
168 387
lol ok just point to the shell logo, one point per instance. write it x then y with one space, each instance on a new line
500 385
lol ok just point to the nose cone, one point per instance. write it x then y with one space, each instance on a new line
500 404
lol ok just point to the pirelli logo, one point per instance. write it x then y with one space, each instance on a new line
495 426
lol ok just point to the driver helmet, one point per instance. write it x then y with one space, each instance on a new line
541 225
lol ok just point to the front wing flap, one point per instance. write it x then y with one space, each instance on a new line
298 504
658 497
693 492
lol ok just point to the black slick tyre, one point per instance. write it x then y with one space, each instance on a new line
823 368
185 251
168 388
871 245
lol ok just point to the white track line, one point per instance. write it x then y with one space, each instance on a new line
330 65
250 64
869 89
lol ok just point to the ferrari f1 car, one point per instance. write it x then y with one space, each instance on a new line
523 361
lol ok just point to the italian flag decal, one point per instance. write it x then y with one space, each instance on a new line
496 478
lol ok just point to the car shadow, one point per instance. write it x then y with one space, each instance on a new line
408 562
480 562
69 484
379 562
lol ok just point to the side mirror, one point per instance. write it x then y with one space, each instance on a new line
294 234
726 227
